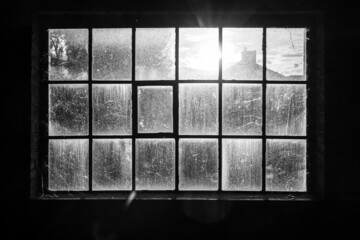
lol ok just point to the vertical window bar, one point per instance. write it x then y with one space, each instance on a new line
220 110
264 113
176 109
90 109
134 105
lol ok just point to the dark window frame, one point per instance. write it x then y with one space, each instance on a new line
315 98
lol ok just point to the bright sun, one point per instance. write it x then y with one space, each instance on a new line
206 57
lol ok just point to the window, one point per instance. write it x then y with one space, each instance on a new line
177 110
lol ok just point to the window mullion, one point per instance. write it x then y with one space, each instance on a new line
90 111
264 113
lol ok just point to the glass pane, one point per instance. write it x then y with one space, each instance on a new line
112 165
68 54
242 109
242 54
68 109
198 109
155 109
198 164
112 54
242 164
286 165
155 164
155 54
199 53
112 109
286 109
285 52
68 165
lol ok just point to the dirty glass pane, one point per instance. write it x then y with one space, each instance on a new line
155 109
242 109
111 54
199 53
198 109
155 164
68 165
242 54
285 52
112 165
198 164
241 164
155 54
286 165
68 109
68 54
286 109
112 109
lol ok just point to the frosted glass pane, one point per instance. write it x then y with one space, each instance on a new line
155 164
68 109
155 109
242 109
198 109
199 53
286 165
198 164
112 54
242 54
68 54
155 54
112 165
241 164
285 52
286 109
68 165
112 109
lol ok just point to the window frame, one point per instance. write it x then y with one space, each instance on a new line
220 20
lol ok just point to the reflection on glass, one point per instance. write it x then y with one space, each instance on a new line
111 54
241 168
286 165
155 109
286 109
112 165
285 52
242 109
68 109
155 164
68 165
198 164
198 109
155 54
68 54
112 109
242 54
199 53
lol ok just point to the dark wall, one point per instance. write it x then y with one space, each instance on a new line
337 215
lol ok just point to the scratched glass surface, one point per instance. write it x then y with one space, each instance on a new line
242 54
286 165
155 54
68 54
242 109
199 53
112 54
112 109
68 165
155 109
286 109
198 109
68 109
198 164
155 164
286 54
241 165
112 164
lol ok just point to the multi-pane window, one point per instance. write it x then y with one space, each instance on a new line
177 109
